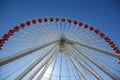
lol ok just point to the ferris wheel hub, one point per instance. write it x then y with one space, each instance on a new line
63 42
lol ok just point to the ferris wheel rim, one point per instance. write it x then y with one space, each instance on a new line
11 32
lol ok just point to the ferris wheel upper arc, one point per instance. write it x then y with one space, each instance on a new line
28 23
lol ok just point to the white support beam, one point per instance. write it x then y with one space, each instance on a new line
42 65
60 66
67 68
30 67
114 77
75 64
77 67
18 55
48 63
94 48
83 64
53 69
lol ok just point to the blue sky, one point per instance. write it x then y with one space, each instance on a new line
103 14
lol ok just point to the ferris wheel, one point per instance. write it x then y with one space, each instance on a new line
58 49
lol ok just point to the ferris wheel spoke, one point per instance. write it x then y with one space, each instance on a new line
66 29
89 38
48 63
70 28
58 25
101 57
95 48
55 27
43 71
17 69
78 77
30 32
50 27
110 66
25 34
42 65
45 28
21 75
67 68
95 62
60 66
84 65
76 66
63 27
22 42
33 30
13 48
53 68
34 34
13 57
83 59
20 38
101 61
